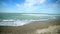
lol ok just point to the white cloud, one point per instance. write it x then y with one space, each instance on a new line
42 1
33 1
30 3
28 6
18 5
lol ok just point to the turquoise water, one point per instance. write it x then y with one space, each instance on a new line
17 16
22 19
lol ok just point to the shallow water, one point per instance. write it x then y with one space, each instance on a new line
8 19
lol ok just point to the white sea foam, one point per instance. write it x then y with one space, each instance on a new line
18 22
12 22
15 23
40 15
8 20
37 14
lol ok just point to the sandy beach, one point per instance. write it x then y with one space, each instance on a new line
37 27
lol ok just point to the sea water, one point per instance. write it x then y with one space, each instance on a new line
18 19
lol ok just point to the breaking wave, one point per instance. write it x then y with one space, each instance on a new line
26 19
18 22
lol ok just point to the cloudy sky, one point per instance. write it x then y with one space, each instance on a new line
30 6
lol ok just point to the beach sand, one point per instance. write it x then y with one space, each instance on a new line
37 27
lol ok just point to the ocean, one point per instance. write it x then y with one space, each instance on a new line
20 19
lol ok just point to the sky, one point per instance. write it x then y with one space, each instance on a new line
30 6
